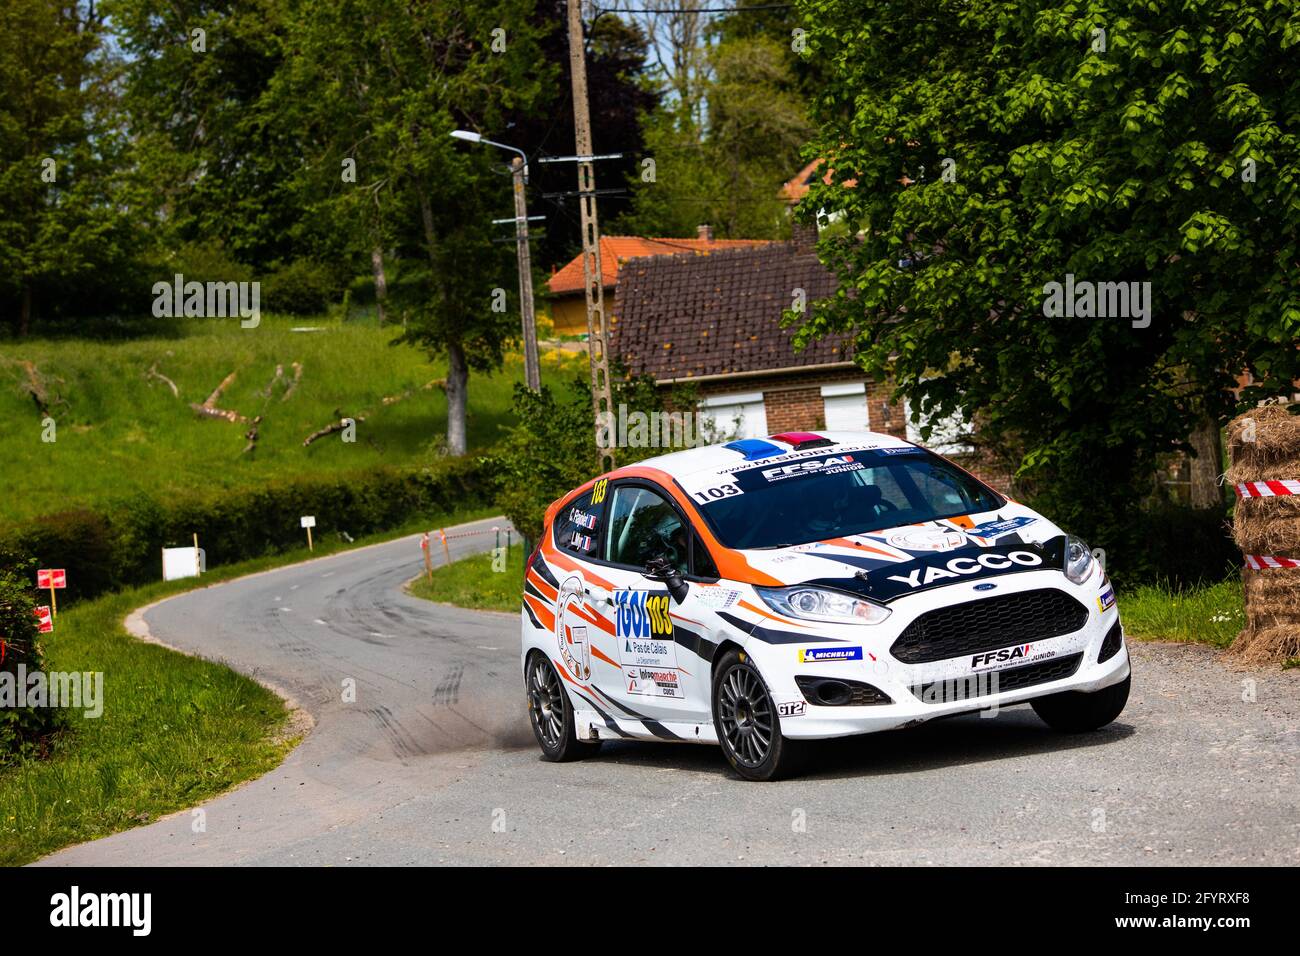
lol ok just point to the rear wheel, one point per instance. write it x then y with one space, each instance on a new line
1076 712
745 718
551 714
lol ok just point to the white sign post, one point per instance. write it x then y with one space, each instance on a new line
309 522
180 563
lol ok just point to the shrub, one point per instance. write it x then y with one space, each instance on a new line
301 287
23 730
553 448
121 546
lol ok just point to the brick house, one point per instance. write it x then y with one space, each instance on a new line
715 321
568 305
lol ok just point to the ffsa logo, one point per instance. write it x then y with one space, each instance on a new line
800 467
75 908
1002 656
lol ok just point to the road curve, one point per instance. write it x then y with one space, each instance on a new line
434 761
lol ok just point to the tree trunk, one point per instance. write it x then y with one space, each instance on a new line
381 282
1207 465
25 316
457 387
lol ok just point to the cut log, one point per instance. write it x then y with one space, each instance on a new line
36 388
251 435
221 414
330 429
154 373
293 384
225 383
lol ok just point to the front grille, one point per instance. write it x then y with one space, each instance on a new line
997 682
834 692
1111 645
989 624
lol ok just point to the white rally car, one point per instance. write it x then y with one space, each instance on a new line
767 591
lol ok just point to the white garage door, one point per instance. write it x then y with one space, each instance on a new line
846 406
727 417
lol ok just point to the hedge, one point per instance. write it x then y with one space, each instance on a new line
23 730
120 545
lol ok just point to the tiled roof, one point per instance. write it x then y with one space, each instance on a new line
615 249
688 316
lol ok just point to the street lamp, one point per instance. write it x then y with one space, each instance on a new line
519 170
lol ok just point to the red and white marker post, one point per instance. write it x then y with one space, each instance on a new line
52 578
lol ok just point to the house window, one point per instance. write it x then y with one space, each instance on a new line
727 417
846 406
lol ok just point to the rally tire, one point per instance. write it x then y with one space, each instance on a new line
551 714
1077 712
747 724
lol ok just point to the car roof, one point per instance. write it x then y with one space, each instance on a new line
733 454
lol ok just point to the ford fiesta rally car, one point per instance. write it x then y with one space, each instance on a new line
768 591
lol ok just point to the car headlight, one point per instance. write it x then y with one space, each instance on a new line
1078 560
820 604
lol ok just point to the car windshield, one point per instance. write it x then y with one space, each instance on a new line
792 501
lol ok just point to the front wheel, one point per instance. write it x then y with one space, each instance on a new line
551 714
1076 712
747 723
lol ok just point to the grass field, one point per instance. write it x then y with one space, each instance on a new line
175 730
119 430
1207 615
475 582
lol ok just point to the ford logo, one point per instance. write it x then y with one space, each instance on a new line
985 587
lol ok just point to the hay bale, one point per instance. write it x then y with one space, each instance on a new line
1272 631
1264 445
1268 526
1274 452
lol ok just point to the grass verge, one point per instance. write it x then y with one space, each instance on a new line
478 582
1212 614
175 730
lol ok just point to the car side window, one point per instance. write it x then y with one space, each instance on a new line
643 525
702 564
580 523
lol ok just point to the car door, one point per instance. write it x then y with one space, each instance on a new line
579 619
665 668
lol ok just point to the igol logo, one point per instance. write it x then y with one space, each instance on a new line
959 566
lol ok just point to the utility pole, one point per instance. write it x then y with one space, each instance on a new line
597 327
532 375
519 170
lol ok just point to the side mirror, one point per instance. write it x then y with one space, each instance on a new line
659 568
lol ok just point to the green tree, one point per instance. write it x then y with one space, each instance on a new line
1132 142
63 207
382 84
219 158
728 171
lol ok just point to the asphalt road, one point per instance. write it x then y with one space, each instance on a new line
434 762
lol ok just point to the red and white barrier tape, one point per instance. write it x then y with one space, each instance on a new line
1268 489
1258 562
469 534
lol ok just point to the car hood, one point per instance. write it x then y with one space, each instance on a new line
893 562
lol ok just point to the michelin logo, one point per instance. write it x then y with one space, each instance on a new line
811 655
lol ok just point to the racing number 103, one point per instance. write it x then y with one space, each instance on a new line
720 491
